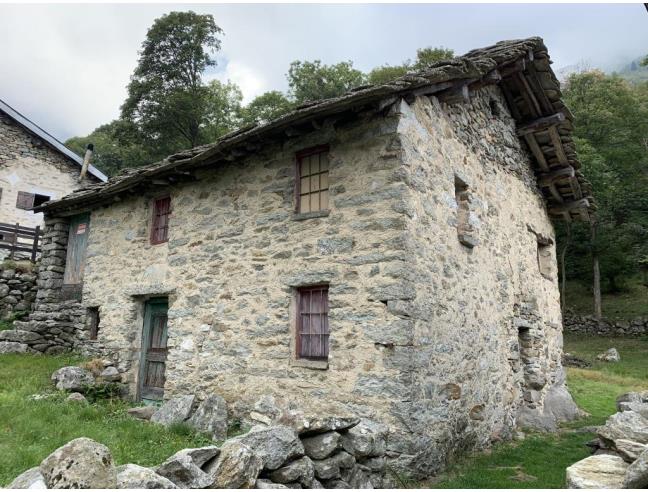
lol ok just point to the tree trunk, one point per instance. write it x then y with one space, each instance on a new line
562 268
596 287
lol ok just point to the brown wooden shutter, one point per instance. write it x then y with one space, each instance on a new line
25 200
160 226
312 323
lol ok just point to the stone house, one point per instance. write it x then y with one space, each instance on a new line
389 253
34 168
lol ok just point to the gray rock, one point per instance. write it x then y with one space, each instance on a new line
640 408
307 425
237 467
559 403
72 378
15 348
602 471
80 464
610 355
263 483
30 479
631 397
636 476
336 484
20 336
625 425
186 468
629 450
76 398
358 478
274 445
137 477
300 470
110 374
366 439
330 468
321 446
142 413
211 417
174 411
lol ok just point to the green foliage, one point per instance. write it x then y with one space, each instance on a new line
386 73
222 109
539 461
102 391
167 100
312 81
428 56
424 58
31 430
266 107
628 302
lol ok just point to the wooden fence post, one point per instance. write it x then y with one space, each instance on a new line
35 245
14 242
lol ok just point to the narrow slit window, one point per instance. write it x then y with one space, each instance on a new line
465 230
160 226
545 257
313 180
93 322
312 323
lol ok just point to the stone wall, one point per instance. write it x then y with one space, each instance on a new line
28 164
589 325
17 289
442 339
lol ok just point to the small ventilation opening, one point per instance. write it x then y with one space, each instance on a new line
464 229
494 108
92 322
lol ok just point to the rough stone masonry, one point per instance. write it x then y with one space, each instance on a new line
437 249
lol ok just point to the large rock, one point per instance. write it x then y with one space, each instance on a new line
636 476
274 445
610 355
137 477
625 425
602 471
321 446
237 467
316 424
187 468
80 464
631 406
559 403
211 417
30 479
332 467
142 413
631 397
72 378
110 374
174 411
366 439
15 348
76 398
20 336
300 470
629 450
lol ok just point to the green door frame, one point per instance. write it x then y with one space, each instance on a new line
153 306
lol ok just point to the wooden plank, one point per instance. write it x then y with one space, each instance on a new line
510 100
527 94
570 206
540 94
541 124
35 245
548 178
557 145
537 152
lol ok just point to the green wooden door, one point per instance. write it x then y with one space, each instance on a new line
154 350
76 251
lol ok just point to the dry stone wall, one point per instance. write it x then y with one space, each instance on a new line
589 325
17 290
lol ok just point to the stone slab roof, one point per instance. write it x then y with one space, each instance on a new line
521 68
49 139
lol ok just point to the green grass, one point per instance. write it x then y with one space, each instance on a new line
630 303
31 430
539 461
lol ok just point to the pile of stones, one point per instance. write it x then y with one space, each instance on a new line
333 453
620 458
78 380
17 291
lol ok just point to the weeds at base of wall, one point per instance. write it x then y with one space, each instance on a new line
22 266
102 391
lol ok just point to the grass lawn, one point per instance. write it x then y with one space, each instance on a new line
631 303
539 461
31 430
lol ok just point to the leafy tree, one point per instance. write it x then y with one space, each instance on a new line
266 107
427 56
312 81
166 97
386 73
222 109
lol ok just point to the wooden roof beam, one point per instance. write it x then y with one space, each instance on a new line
569 206
537 152
540 124
547 179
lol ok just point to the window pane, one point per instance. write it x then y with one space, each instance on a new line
305 185
314 160
305 168
314 202
323 181
324 162
314 182
304 205
324 205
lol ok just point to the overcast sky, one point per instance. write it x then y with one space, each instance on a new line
66 67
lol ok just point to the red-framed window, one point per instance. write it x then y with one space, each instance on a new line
312 323
160 223
313 179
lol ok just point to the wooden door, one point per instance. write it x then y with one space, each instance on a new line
154 350
76 250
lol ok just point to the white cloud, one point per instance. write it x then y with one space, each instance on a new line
251 82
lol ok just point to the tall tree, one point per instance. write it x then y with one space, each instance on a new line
427 56
222 109
266 107
166 96
311 81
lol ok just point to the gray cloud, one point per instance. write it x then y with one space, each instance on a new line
67 66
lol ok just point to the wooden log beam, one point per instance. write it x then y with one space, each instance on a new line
517 66
540 124
510 100
431 89
558 146
537 152
547 179
454 95
569 206
528 95
547 106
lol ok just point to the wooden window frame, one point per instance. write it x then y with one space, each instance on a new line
315 362
299 156
26 200
154 220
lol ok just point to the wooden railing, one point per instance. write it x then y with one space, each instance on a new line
17 238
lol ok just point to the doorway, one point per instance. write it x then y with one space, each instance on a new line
154 349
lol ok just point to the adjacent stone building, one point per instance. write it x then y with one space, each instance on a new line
388 254
34 168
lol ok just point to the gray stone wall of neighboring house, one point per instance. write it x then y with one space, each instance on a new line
442 326
589 325
17 289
